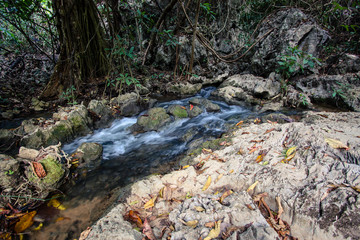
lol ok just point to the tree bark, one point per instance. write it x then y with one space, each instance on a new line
82 46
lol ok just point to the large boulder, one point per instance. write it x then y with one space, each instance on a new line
247 88
286 28
181 89
154 119
177 111
102 113
131 104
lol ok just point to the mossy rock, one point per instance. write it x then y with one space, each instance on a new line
194 112
211 144
177 111
154 120
9 171
54 174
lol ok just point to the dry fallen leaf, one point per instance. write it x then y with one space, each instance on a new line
199 209
25 222
231 171
219 177
38 169
148 231
336 144
191 107
38 227
150 203
259 158
225 194
270 130
134 217
239 123
215 232
207 184
251 188
84 234
192 223
185 167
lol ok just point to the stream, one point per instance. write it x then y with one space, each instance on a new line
128 157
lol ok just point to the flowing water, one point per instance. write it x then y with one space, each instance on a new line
127 157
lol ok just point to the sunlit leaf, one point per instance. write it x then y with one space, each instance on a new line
5 236
199 209
251 188
150 203
25 222
336 144
185 167
207 184
231 171
259 158
192 223
239 123
191 107
56 204
225 194
38 227
290 151
215 232
133 202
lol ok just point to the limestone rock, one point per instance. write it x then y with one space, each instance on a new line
205 103
9 171
7 137
102 111
89 155
181 89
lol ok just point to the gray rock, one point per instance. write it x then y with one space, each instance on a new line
181 89
205 103
290 27
154 119
9 172
337 90
296 99
346 63
196 111
7 138
102 111
177 111
89 155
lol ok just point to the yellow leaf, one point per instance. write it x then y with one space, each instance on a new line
239 123
199 209
259 158
207 184
133 202
5 236
336 143
38 227
290 151
150 203
216 193
225 194
214 233
252 186
25 222
192 223
219 177
185 167
56 204
231 171
161 192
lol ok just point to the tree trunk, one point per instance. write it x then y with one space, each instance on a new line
82 46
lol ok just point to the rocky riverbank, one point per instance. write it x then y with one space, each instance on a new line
312 166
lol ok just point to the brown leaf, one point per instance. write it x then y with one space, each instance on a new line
259 158
25 222
192 223
251 188
270 130
249 207
243 133
281 210
38 169
206 151
209 224
225 194
257 141
148 231
215 232
134 217
84 234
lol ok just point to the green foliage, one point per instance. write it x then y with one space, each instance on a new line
295 60
304 100
9 172
339 92
168 35
69 95
206 7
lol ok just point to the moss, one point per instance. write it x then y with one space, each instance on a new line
54 174
179 112
211 144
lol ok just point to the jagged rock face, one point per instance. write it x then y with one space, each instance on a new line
289 28
338 90
154 119
89 155
102 112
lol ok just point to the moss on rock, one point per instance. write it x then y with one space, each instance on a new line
177 111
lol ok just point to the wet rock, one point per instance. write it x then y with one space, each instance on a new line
54 174
73 122
337 90
89 155
154 119
9 172
28 153
131 104
7 138
102 112
290 27
196 111
8 114
181 89
205 103
177 111
247 88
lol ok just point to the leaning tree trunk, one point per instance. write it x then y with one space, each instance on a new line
82 46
